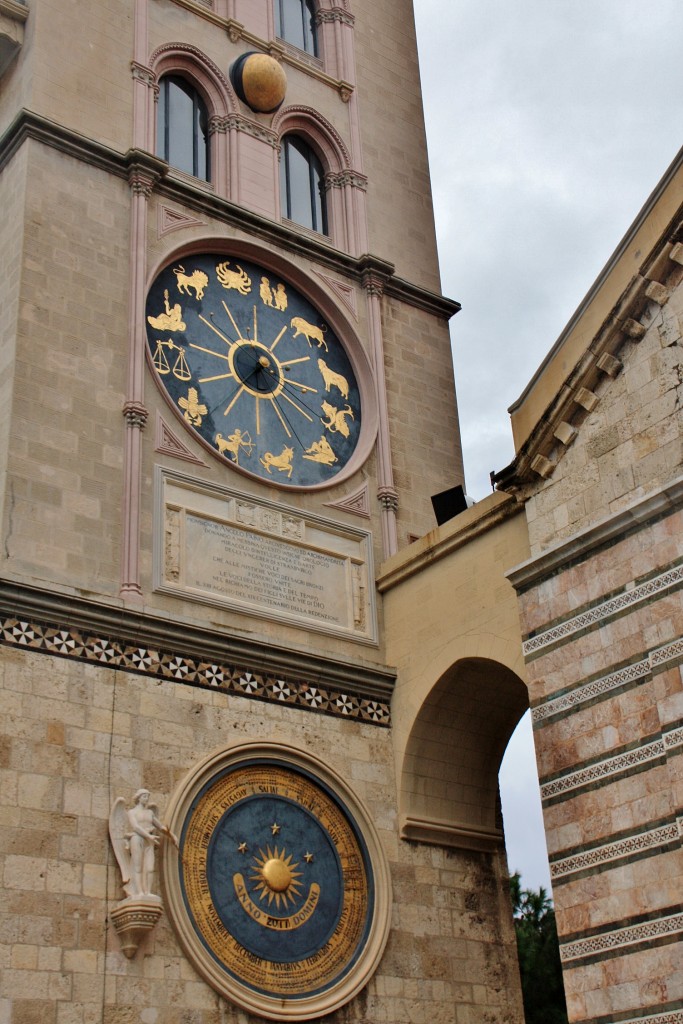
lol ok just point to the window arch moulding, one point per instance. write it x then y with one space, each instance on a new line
344 187
188 62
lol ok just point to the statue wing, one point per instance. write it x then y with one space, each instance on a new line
119 828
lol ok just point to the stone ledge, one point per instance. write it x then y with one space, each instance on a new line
606 531
452 834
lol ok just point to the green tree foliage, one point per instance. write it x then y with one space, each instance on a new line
539 955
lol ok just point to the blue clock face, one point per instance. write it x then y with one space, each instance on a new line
253 370
277 880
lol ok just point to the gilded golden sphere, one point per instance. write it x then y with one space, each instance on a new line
259 82
277 875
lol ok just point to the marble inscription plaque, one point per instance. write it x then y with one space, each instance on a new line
265 571
222 547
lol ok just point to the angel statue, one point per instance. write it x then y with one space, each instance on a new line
134 836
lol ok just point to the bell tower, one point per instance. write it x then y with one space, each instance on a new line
228 397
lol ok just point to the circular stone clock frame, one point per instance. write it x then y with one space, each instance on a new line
260 366
286 918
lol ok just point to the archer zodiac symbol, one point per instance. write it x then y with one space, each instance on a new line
233 443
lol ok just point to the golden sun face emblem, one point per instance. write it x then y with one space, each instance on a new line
275 877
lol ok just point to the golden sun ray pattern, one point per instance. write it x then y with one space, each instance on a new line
276 877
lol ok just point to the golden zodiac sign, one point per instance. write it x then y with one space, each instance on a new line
276 297
197 280
180 368
337 419
235 441
283 462
333 379
236 279
171 320
309 331
265 292
280 297
320 451
193 410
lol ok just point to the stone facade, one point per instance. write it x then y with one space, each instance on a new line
577 555
601 614
112 680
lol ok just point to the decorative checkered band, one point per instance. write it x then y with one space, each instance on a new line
162 664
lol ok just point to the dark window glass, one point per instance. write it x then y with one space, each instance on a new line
302 185
295 22
183 127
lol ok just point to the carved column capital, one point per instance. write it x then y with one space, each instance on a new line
338 179
388 498
141 73
374 274
135 414
218 125
144 171
336 14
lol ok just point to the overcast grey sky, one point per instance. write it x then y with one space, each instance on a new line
549 123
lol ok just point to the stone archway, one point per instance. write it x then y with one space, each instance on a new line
449 776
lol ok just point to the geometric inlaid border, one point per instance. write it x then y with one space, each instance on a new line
620 938
611 766
674 1017
245 681
605 684
628 846
592 616
588 691
657 1013
670 1017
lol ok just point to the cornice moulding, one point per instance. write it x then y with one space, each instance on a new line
29 125
14 10
446 539
606 531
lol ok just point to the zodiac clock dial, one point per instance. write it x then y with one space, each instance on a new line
253 370
275 892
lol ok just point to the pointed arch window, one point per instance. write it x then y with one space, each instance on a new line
295 23
183 127
302 185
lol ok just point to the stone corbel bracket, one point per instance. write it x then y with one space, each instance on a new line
12 17
133 919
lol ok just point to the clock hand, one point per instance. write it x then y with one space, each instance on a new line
288 391
285 419
238 385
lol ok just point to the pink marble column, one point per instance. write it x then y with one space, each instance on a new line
142 176
373 280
